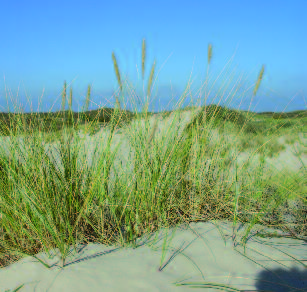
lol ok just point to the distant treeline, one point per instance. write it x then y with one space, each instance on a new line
103 116
294 114
59 118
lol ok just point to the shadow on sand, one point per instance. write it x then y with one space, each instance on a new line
284 280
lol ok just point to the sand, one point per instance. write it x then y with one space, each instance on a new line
197 253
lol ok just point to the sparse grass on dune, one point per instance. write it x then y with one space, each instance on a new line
169 186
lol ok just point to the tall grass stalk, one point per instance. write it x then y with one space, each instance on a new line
209 61
165 248
64 99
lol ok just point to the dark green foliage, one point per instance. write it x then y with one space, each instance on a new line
292 115
217 115
285 125
252 128
58 120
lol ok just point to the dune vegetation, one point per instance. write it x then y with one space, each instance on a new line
172 181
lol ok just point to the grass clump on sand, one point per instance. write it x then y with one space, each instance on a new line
42 208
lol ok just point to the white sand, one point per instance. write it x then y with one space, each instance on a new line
197 253
203 257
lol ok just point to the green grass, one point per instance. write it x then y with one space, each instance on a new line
88 213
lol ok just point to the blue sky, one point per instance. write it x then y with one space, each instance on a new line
44 43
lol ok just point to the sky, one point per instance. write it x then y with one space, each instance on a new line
44 43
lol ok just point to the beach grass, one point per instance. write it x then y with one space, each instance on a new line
176 189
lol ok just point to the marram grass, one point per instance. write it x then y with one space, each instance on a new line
55 210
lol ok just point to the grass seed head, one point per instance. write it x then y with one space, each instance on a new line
64 97
143 58
209 53
259 80
151 78
117 72
88 97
